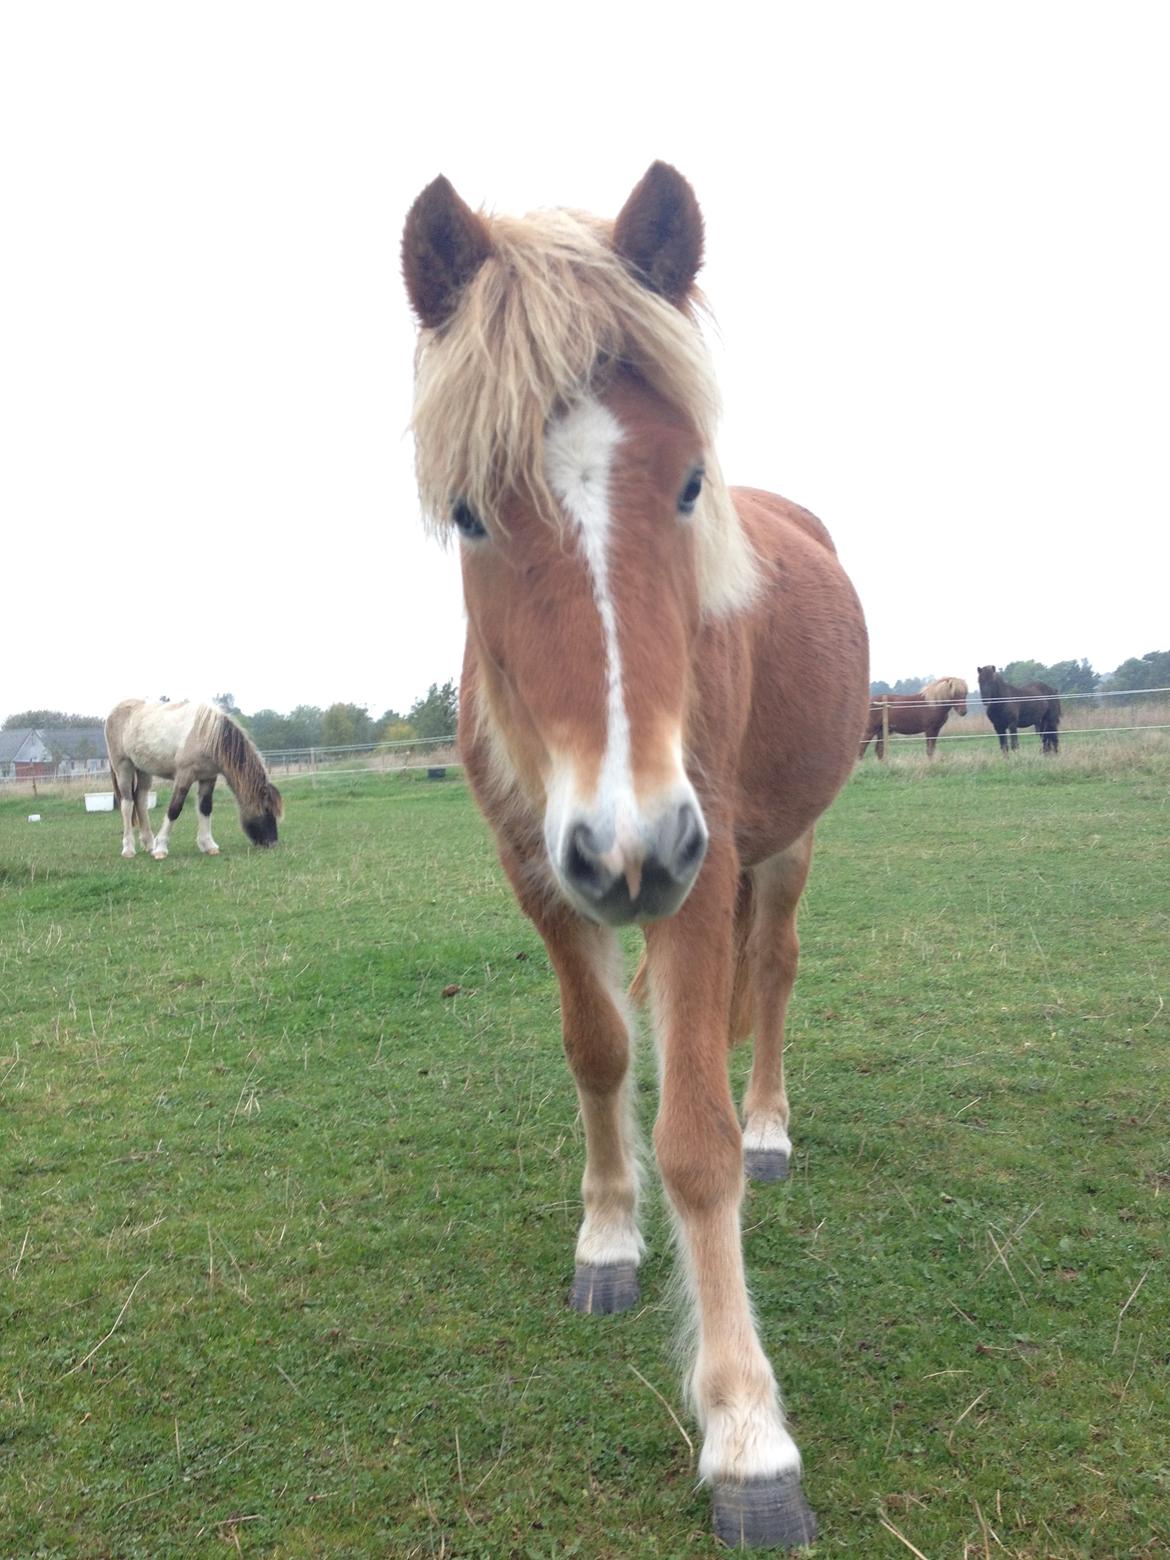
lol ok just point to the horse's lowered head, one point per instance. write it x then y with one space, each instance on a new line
563 418
260 811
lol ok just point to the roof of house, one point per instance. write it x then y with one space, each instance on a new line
74 741
11 743
62 741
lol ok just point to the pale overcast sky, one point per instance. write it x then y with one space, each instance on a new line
938 255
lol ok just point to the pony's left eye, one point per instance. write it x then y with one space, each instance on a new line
467 521
689 496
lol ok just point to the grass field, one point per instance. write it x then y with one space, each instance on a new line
285 1231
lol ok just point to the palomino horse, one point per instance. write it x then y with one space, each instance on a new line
662 687
912 714
1009 708
186 743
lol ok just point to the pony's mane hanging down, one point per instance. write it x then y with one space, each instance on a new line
551 315
237 756
949 689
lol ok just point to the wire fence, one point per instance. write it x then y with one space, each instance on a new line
407 755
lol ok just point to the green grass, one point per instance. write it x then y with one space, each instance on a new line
285 1233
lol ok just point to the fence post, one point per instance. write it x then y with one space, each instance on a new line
885 725
313 766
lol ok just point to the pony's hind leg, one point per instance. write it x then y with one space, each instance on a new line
124 781
183 783
779 883
203 839
142 809
748 1456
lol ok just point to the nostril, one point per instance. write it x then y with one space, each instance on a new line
691 842
582 863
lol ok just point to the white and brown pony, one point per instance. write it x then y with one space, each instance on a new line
186 743
663 684
914 714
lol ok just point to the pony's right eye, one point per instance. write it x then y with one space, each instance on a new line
467 522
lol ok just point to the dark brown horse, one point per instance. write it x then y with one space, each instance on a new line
663 685
1008 708
914 714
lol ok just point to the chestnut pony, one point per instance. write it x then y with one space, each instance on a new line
663 684
915 714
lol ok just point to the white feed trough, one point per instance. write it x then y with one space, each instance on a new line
103 801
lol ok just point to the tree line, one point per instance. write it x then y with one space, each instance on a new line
433 714
1146 671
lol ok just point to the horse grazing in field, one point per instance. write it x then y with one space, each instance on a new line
662 687
1008 708
186 742
914 714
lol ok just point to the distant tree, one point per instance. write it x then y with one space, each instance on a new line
397 730
269 731
879 687
1020 672
344 724
1072 677
303 727
227 703
437 713
1147 671
388 718
40 718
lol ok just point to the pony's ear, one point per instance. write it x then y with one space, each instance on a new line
659 231
444 244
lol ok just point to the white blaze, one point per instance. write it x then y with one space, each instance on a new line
579 452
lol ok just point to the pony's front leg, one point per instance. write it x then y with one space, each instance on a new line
773 950
596 1030
174 808
748 1456
203 838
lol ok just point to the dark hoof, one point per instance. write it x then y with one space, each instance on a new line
765 1164
604 1290
763 1514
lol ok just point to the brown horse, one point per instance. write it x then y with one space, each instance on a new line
663 683
914 714
1008 708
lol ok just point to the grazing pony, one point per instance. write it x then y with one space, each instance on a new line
1008 708
912 714
186 742
662 687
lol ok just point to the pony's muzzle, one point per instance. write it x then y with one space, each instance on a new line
644 879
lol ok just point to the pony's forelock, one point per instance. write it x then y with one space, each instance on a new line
547 319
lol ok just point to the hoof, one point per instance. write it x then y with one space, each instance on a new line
210 850
603 1290
765 1164
128 853
763 1513
159 855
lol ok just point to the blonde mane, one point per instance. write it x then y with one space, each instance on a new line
948 690
548 318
